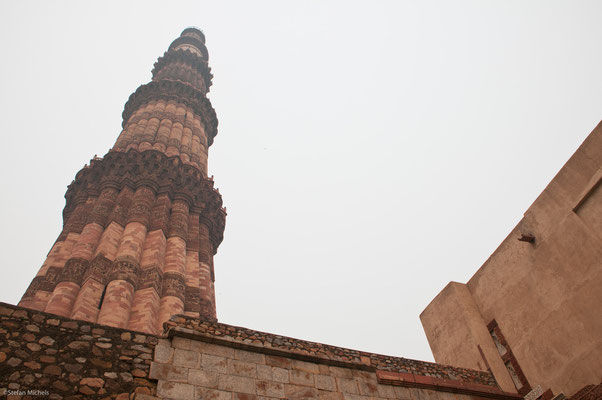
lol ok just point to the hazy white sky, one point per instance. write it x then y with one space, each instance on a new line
368 152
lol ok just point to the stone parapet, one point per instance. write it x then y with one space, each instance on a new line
204 360
383 370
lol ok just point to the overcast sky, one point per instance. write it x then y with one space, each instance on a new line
368 152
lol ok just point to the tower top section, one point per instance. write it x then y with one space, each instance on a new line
193 40
172 112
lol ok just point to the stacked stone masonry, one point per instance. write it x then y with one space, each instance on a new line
194 359
208 360
141 225
62 358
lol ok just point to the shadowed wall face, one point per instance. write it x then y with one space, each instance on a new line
142 224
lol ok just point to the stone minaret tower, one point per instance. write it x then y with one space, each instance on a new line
142 224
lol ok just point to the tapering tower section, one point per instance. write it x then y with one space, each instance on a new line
142 224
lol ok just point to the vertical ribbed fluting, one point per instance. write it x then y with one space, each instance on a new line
177 128
148 135
142 122
124 201
193 291
77 217
206 278
123 278
174 271
88 299
120 139
145 306
71 276
163 133
186 144
184 71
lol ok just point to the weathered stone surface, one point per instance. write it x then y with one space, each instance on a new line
62 386
73 367
212 394
13 361
212 349
276 361
93 382
249 356
348 386
302 378
186 358
46 341
341 372
202 378
181 343
126 376
168 372
269 388
386 391
242 368
175 390
140 339
79 345
280 375
294 392
33 346
86 390
236 384
323 395
214 363
52 370
30 337
101 363
367 387
31 364
264 372
325 382
305 366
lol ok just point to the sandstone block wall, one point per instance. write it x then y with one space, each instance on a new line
206 360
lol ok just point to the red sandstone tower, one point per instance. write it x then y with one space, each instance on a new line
141 225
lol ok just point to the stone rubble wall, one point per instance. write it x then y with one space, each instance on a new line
62 358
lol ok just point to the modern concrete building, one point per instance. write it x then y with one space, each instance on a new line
532 314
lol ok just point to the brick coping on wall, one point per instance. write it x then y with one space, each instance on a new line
389 370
